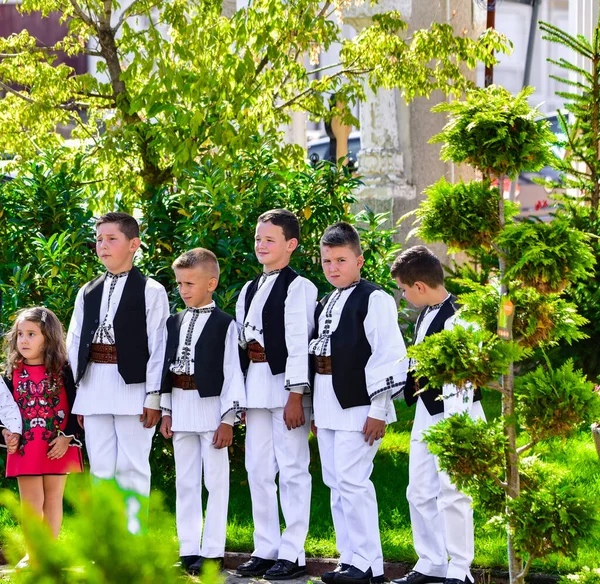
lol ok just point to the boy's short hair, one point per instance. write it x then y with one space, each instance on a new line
198 256
284 219
342 234
418 264
127 224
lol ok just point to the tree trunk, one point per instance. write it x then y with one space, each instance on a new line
515 564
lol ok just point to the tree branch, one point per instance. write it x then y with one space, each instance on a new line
496 480
525 569
81 14
527 446
17 93
129 12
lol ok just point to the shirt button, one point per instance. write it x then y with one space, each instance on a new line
88 345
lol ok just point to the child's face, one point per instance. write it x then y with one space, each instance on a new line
30 342
114 249
341 265
272 249
415 294
196 285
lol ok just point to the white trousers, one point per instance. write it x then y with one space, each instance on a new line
194 452
441 516
119 448
347 464
270 449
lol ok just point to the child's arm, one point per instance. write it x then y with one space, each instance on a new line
299 317
457 401
385 372
157 313
74 333
10 415
233 394
59 446
73 427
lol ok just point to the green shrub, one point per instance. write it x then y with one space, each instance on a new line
460 356
539 319
546 256
584 576
495 132
554 402
462 215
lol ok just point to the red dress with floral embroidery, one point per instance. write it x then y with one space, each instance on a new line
44 409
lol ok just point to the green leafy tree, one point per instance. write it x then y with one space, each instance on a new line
580 173
184 84
519 307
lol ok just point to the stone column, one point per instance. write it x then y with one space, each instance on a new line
396 161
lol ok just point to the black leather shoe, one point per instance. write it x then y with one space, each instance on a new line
285 570
328 577
196 567
379 579
255 566
457 581
186 561
414 577
353 576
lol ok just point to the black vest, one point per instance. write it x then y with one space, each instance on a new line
431 394
209 353
350 348
131 337
273 321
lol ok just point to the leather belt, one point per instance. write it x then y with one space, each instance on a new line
183 381
322 365
256 353
100 353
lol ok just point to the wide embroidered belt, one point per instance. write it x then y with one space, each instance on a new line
322 364
100 353
256 353
183 381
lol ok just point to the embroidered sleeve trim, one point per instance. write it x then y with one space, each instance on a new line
74 441
390 384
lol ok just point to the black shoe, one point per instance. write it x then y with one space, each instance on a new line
379 579
457 581
186 561
285 570
255 566
196 567
414 577
353 576
328 577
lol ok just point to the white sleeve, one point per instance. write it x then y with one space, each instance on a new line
157 313
457 401
233 394
385 371
74 333
240 306
10 415
299 315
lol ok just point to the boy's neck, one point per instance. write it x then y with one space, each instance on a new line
121 269
436 296
273 268
202 304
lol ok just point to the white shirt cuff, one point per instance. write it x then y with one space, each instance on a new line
229 418
152 401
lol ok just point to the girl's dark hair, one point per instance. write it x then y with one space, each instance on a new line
418 264
55 350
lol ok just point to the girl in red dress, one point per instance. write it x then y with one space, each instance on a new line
42 385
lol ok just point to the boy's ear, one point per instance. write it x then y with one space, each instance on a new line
292 244
134 244
212 284
360 261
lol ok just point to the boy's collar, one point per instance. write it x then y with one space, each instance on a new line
119 275
350 286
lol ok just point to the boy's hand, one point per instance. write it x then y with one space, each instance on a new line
165 427
313 428
223 436
373 430
80 421
150 417
293 413
59 447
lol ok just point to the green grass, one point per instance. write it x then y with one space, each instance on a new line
576 456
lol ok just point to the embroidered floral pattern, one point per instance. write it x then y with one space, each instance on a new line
38 403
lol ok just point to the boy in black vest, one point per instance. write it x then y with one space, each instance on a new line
441 516
356 355
202 388
275 312
116 345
